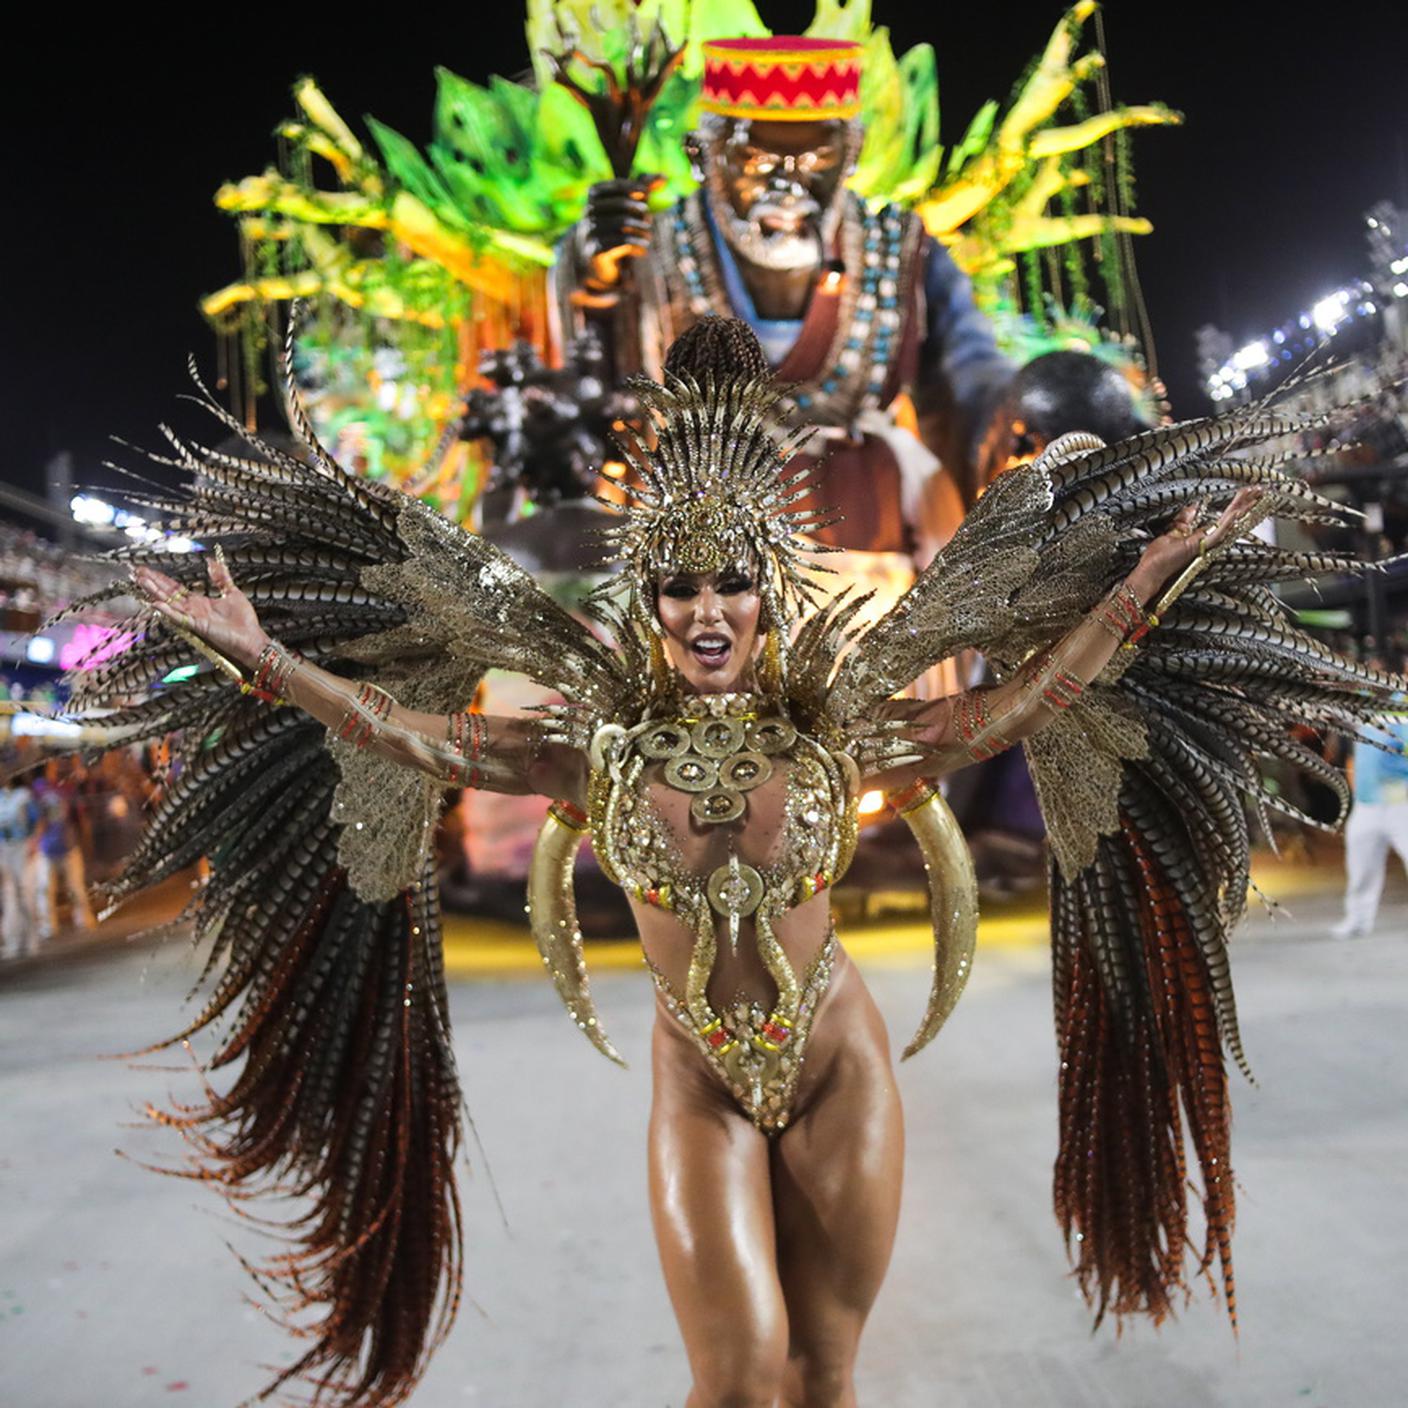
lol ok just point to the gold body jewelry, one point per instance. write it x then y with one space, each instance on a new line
757 1054
953 902
717 751
552 917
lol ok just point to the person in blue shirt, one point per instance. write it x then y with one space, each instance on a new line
60 853
1377 823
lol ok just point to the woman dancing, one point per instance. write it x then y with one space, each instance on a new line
714 747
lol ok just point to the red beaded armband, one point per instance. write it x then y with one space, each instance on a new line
272 672
974 725
1122 615
359 723
468 737
1062 690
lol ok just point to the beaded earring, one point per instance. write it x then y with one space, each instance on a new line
662 674
771 669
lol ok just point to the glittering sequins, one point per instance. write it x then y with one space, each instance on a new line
735 890
744 771
750 744
718 807
717 738
770 736
664 741
715 755
692 774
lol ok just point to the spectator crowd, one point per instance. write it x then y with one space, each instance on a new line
64 826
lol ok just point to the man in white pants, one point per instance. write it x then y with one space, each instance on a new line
1378 821
18 816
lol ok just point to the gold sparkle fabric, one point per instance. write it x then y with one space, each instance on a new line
719 810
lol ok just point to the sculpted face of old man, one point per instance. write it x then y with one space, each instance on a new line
773 186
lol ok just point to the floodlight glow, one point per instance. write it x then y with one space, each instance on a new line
1252 355
88 509
1330 312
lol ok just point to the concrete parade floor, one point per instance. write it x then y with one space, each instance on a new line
116 1288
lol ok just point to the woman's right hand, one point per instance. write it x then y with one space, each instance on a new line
223 618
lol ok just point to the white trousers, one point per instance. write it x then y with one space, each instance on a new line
1373 828
16 901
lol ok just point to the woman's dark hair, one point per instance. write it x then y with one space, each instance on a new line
717 349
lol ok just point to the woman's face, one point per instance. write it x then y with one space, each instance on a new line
710 621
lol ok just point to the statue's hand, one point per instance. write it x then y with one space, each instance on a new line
224 618
617 227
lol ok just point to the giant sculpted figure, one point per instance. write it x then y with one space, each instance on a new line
866 316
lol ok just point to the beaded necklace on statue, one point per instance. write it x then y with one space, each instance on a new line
871 317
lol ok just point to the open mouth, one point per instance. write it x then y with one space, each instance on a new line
711 650
783 222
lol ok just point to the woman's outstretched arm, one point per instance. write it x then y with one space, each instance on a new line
973 726
499 754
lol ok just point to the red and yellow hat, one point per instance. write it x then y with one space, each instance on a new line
784 78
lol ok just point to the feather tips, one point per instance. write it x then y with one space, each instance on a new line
327 1009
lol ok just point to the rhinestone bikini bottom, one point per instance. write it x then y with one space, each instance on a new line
762 1081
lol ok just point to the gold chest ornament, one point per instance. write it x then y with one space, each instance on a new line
717 749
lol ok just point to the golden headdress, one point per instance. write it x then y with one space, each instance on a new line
711 485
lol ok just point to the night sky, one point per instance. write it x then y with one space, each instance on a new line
114 150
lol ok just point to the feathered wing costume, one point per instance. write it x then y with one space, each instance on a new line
1144 779
320 911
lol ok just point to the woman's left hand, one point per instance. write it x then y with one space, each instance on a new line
1174 550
